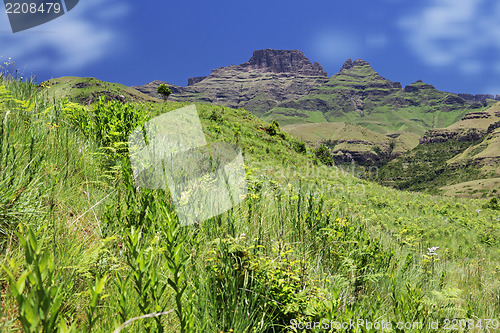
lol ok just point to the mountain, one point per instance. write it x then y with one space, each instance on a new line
267 79
360 95
435 139
286 86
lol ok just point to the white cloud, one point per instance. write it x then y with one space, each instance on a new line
376 40
333 46
458 33
470 67
79 38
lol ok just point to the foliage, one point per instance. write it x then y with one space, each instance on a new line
425 167
108 124
492 204
164 91
273 128
37 293
324 155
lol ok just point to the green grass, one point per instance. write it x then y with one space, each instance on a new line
310 242
88 90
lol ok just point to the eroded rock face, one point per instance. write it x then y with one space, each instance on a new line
283 61
267 79
443 135
476 115
481 98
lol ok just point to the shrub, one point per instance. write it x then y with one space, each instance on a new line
492 204
323 154
216 116
299 146
164 91
273 128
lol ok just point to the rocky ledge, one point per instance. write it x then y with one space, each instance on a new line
442 135
268 78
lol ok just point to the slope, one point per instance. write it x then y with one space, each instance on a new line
318 242
350 142
87 90
463 152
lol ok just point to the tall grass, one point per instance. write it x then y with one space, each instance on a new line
308 244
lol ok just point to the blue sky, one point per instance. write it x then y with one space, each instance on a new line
452 44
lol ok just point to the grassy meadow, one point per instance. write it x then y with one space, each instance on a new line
83 249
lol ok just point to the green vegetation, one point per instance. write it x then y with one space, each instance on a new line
425 168
84 249
464 153
164 91
89 90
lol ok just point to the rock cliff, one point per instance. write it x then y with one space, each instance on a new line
270 77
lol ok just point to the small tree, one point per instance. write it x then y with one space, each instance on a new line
324 155
164 91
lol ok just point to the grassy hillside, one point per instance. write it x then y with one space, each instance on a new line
365 146
84 249
87 90
467 151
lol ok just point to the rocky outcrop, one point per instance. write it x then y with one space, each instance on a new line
443 135
283 61
476 115
493 127
270 77
417 86
481 98
195 80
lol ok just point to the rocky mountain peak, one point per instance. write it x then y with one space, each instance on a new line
284 61
356 63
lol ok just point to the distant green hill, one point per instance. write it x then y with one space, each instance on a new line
351 142
86 90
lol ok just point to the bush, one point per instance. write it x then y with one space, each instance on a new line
164 91
273 128
299 146
323 154
492 204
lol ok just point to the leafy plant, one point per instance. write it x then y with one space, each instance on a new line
37 291
144 276
108 124
95 296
